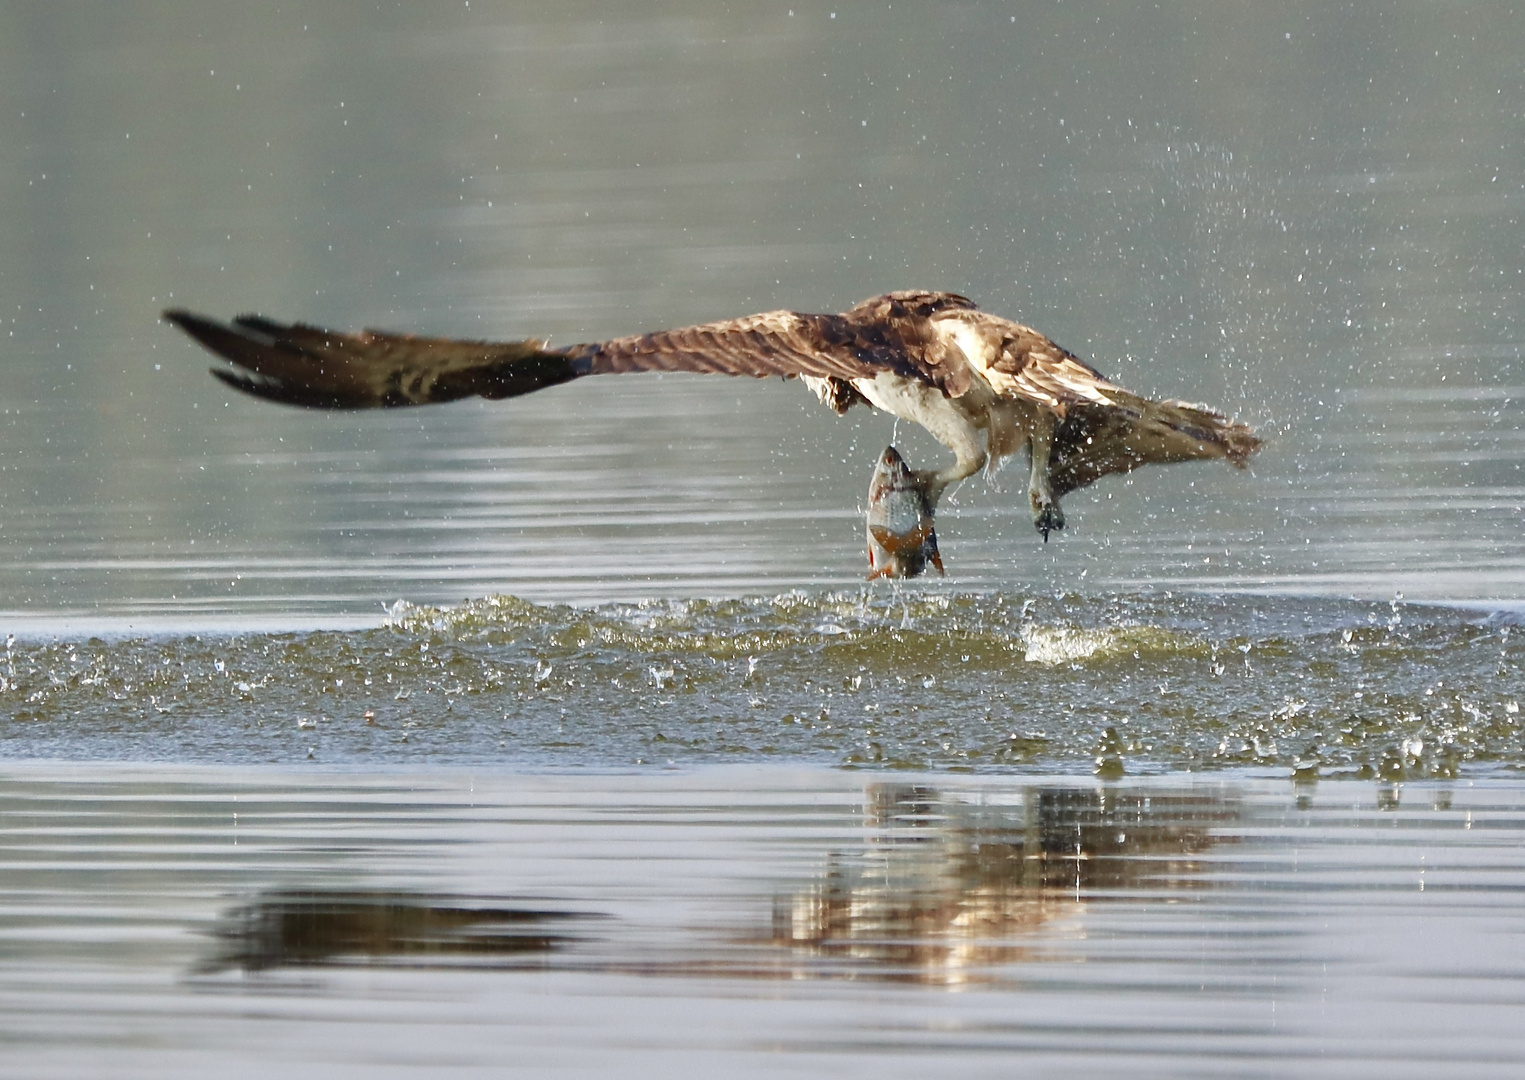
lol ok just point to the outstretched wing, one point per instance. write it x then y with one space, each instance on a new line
783 343
1096 440
306 365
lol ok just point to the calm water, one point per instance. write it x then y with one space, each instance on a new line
184 922
564 732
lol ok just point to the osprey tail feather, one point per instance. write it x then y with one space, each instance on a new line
1096 440
1212 433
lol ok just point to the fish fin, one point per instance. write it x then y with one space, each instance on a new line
898 543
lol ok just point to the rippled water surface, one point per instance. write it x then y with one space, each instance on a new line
1132 683
1306 215
180 922
564 734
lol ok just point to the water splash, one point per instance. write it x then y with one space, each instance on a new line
924 679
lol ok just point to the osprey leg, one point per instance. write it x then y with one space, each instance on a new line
1047 516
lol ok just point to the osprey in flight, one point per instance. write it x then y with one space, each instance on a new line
932 358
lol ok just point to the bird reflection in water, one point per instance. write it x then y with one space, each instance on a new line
315 928
946 891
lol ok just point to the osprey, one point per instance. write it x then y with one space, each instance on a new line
983 386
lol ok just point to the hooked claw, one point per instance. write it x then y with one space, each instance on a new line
1048 519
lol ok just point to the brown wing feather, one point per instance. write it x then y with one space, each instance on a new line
1031 366
912 303
883 333
307 365
781 343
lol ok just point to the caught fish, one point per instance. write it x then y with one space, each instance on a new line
900 537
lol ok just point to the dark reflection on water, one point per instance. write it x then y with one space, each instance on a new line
944 891
194 922
314 928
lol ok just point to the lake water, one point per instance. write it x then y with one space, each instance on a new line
1310 217
564 732
745 922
